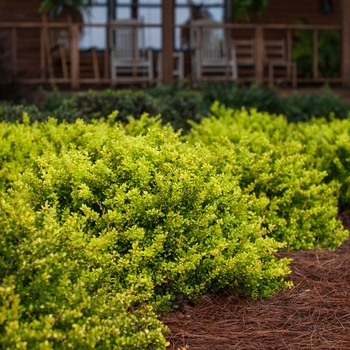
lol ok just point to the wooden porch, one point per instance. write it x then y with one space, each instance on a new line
31 64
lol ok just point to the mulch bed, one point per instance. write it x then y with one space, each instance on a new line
315 314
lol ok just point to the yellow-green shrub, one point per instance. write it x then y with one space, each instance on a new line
254 148
102 230
59 286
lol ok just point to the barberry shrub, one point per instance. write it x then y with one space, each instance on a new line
327 148
60 287
253 147
103 227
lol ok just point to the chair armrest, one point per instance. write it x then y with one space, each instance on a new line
233 52
149 53
55 47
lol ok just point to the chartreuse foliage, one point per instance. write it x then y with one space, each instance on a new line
20 143
324 145
60 287
102 227
271 162
327 147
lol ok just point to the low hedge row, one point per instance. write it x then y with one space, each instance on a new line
298 107
175 108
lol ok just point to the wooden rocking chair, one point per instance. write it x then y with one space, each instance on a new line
276 57
211 56
246 57
58 55
130 60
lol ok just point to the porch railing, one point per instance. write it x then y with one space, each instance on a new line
41 76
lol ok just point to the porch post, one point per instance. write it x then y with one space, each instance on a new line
228 11
111 10
75 56
346 43
168 40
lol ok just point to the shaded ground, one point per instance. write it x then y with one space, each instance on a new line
315 314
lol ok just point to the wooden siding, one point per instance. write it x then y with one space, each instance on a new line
19 11
284 11
27 41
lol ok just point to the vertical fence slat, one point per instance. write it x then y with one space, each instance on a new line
135 31
228 53
345 71
289 51
200 51
42 53
168 40
14 50
74 60
315 54
289 45
260 53
107 71
48 60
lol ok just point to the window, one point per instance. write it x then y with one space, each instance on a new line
150 12
184 12
95 36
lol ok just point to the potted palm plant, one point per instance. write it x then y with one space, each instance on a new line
242 9
61 8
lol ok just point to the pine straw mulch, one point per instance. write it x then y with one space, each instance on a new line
315 314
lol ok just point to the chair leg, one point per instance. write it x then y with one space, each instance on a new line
160 66
294 78
95 63
289 70
64 62
234 63
113 74
178 71
270 69
150 67
150 74
234 70
181 66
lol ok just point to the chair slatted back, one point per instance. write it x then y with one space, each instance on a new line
57 42
127 40
57 47
60 37
212 43
210 40
275 50
245 50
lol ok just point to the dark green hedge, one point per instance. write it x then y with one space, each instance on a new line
178 103
298 107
